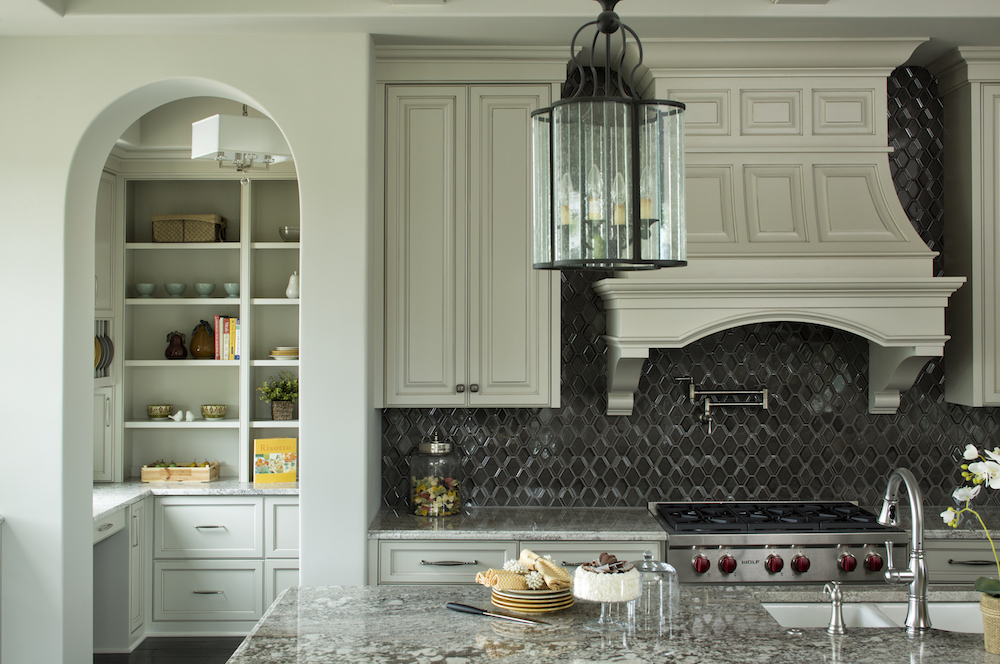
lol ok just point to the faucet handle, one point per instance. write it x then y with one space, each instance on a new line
888 557
833 591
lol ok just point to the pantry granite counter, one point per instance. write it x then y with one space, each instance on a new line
109 498
628 524
716 625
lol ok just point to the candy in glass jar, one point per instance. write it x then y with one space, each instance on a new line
435 487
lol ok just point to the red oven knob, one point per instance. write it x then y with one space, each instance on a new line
800 564
701 564
848 562
774 564
873 562
727 564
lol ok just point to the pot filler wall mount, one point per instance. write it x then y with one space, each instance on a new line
791 211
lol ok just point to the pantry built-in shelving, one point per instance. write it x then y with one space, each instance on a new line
251 254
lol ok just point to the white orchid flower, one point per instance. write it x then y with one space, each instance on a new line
995 454
971 453
948 515
966 493
987 472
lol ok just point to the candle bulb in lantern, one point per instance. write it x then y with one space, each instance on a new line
645 195
620 196
595 194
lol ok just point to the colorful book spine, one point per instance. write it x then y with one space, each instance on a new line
275 460
236 345
225 338
216 336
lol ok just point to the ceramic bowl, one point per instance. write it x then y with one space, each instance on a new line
232 289
204 290
175 290
145 290
159 411
289 233
213 412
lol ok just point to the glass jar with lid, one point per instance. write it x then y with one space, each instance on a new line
435 482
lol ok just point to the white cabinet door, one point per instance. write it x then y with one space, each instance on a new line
281 527
104 247
104 433
279 575
513 308
138 566
425 246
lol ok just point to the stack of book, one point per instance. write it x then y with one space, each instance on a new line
227 338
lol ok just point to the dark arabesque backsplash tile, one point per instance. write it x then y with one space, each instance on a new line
816 441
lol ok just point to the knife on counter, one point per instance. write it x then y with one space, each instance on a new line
465 608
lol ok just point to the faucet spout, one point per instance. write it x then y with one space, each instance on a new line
917 616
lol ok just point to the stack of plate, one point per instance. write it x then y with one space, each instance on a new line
285 353
533 601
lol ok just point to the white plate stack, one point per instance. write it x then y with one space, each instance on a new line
285 353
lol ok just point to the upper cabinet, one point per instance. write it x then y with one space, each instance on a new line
969 83
468 321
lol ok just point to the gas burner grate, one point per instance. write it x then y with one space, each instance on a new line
766 517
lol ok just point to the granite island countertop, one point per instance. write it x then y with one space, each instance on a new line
715 625
113 496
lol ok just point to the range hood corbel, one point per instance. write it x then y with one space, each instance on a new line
792 214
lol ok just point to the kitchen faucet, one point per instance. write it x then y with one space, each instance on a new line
917 617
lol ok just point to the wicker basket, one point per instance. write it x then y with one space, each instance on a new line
282 410
990 607
188 228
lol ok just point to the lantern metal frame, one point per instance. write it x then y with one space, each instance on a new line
591 251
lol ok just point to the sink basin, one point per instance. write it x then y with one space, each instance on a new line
946 616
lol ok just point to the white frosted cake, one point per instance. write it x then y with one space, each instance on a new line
606 587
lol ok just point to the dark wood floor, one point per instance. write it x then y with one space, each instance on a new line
177 650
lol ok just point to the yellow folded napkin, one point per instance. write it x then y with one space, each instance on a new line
502 580
556 577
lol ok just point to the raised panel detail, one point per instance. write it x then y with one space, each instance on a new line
709 204
707 111
850 205
771 112
774 203
843 112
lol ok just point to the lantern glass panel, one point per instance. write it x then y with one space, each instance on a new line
542 131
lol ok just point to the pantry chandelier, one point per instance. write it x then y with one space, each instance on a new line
242 140
608 166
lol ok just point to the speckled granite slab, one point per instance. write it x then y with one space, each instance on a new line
716 625
521 523
111 497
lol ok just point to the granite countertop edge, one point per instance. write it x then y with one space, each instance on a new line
113 496
593 523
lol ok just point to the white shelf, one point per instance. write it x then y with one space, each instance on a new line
273 301
185 364
171 301
274 424
274 363
170 424
173 246
275 245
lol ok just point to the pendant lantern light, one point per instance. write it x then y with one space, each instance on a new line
608 167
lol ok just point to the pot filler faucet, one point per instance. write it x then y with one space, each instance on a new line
917 618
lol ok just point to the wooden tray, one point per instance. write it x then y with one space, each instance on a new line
181 474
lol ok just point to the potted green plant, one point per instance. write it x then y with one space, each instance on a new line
981 469
281 391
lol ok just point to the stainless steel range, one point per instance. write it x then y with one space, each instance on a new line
777 542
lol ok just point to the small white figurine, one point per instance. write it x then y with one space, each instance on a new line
190 416
178 416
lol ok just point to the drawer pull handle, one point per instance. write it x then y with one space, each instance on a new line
106 526
448 563
208 592
197 527
971 562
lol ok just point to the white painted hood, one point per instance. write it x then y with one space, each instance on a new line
791 210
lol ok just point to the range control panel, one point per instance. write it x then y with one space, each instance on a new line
855 563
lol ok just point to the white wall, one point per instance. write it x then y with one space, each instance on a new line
63 101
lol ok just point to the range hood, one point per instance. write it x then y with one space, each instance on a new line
791 210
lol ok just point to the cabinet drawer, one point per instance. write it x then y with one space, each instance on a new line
572 554
281 527
109 525
222 527
938 553
279 575
208 590
429 562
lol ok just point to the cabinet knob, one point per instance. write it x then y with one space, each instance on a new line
460 388
473 388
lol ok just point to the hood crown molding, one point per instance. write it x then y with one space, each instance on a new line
791 210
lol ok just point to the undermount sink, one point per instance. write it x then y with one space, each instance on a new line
946 616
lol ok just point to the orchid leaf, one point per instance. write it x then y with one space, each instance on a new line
988 586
